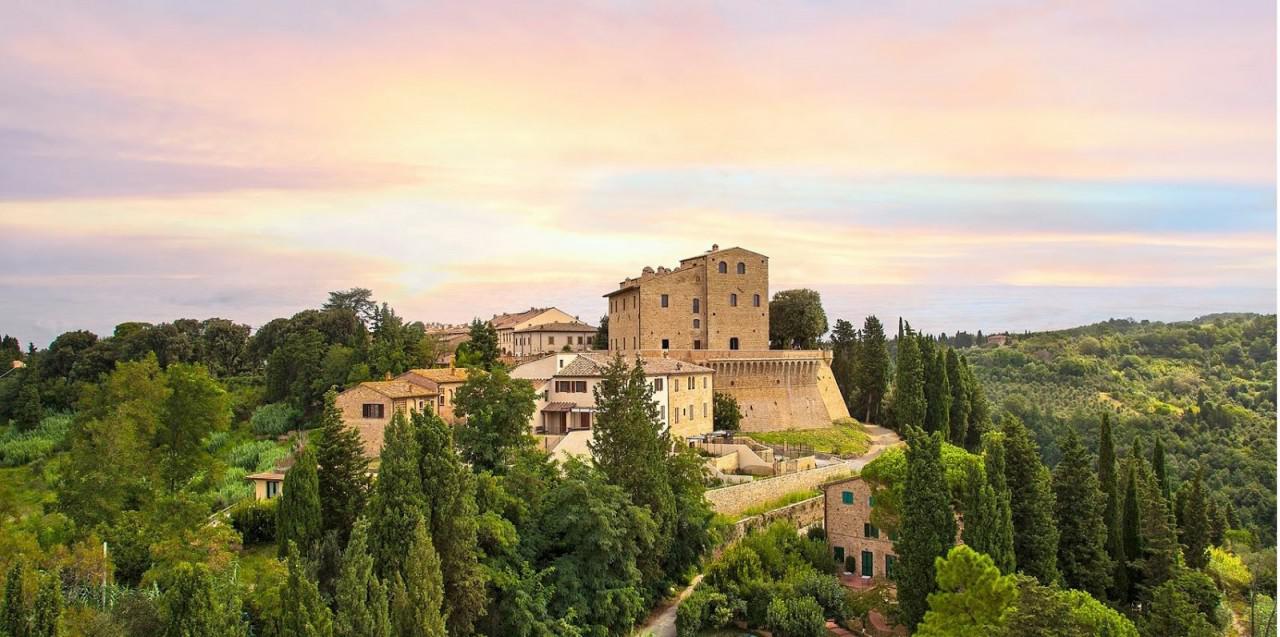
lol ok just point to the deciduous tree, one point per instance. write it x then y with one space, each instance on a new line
497 409
796 319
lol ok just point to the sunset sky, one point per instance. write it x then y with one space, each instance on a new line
988 164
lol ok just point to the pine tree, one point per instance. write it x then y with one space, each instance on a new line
13 614
417 596
1158 466
397 502
342 472
361 598
302 611
449 490
1196 524
1001 547
1035 535
973 597
1079 507
960 407
48 606
928 526
908 390
872 371
1111 515
298 513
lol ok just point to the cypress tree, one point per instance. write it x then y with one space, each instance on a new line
13 614
361 598
1158 466
1079 507
1001 548
1131 533
928 526
983 527
844 361
1196 524
28 412
937 389
449 490
1159 557
1035 536
397 502
872 370
343 471
302 611
417 596
298 513
192 606
1111 515
48 606
960 408
1217 523
908 390
979 411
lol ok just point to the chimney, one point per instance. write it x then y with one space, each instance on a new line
715 246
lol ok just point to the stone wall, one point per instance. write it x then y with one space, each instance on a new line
738 498
801 514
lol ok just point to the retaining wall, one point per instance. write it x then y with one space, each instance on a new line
738 498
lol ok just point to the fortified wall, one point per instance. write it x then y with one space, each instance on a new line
775 389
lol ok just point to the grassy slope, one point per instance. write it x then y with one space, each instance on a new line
842 439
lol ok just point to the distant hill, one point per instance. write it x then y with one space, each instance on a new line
1208 386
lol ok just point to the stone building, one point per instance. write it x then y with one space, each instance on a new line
369 406
716 300
506 325
545 338
852 538
443 383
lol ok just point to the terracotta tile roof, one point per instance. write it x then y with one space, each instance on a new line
442 374
397 389
265 475
559 407
503 321
557 327
593 364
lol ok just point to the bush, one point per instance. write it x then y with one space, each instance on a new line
255 520
1228 571
817 534
255 455
706 608
826 590
19 448
274 419
850 564
796 617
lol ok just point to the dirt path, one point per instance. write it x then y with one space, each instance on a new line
662 622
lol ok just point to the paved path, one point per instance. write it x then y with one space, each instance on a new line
881 439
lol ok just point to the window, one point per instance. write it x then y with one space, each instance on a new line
551 340
733 343
691 387
733 300
868 563
723 267
889 561
442 400
838 553
742 268
846 497
704 410
579 340
697 306
697 345
273 488
675 385
755 300
870 531
697 324
690 410
705 379
657 384
633 342
571 386
665 299
374 410
677 415
666 344
871 500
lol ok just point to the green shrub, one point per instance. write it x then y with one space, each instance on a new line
233 487
255 520
796 617
19 448
274 419
255 455
816 533
824 589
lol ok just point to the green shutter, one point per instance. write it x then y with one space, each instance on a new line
847 497
871 501
839 554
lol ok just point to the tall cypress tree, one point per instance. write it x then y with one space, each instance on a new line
1111 515
1035 535
1079 508
449 490
361 598
1196 523
1001 549
1158 466
1217 523
13 613
959 399
984 529
979 411
872 371
908 390
937 389
192 606
298 513
343 471
397 503
48 606
844 360
302 611
928 526
418 594
1131 534
1159 558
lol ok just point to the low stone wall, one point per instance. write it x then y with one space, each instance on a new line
800 514
738 498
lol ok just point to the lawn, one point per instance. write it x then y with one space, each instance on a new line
845 438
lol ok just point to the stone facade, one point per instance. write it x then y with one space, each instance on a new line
847 508
368 407
547 338
801 514
716 300
443 382
507 325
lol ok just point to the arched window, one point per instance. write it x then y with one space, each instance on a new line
697 306
733 300
724 267
742 268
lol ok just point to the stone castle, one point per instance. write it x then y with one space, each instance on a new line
713 310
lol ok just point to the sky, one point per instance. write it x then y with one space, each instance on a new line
993 164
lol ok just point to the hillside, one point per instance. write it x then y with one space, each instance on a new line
1208 386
